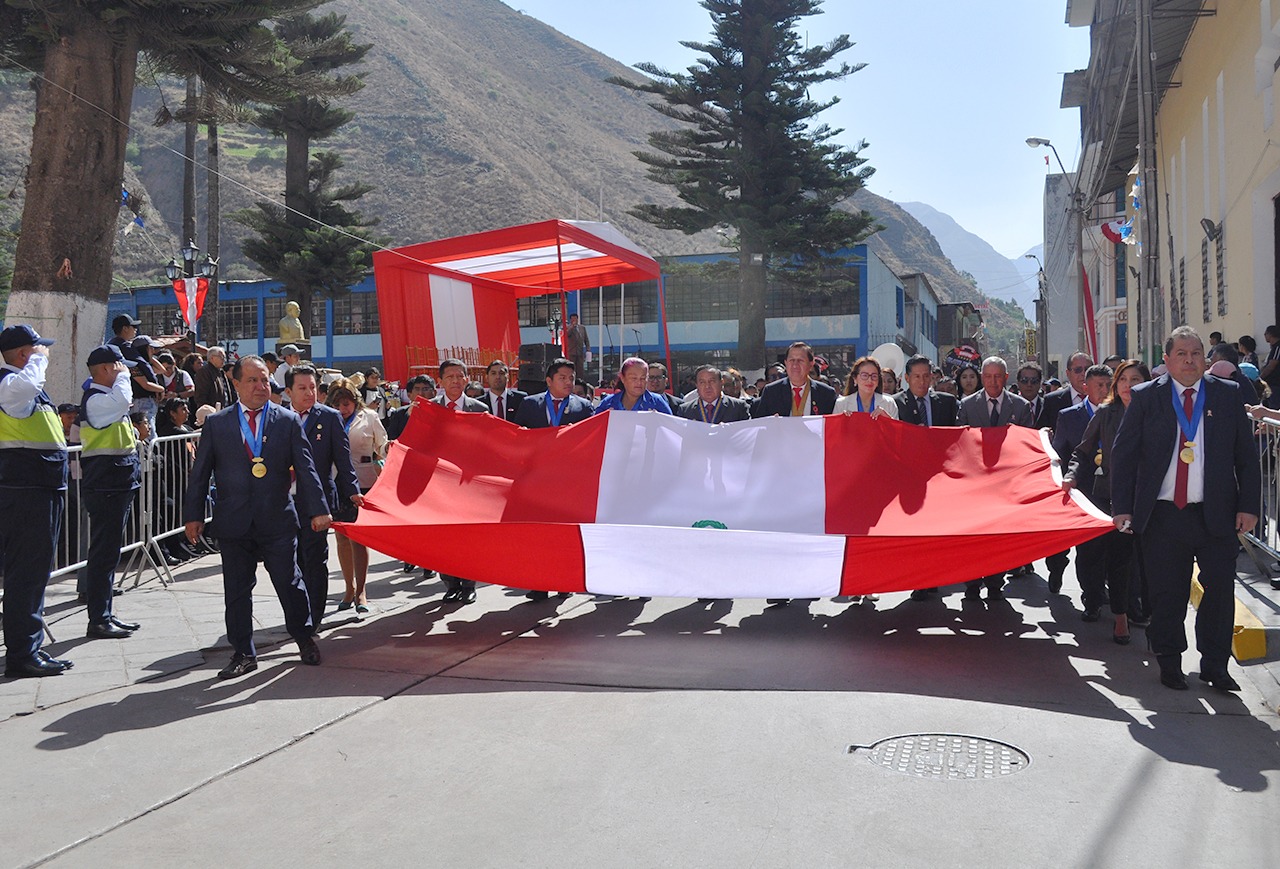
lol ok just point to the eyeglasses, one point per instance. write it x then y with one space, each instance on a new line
657 377
1028 381
867 375
1079 369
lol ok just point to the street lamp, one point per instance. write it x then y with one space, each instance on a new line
1042 313
1077 206
189 268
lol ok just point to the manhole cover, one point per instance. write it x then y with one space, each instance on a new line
950 756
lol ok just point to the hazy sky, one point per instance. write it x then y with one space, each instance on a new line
950 93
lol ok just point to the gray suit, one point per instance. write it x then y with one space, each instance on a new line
469 404
730 410
976 410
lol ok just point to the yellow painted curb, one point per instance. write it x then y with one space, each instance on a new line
1248 637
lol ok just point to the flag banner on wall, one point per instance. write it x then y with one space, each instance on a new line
191 293
646 504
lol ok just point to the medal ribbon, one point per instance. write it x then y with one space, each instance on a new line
715 408
346 423
553 415
251 440
1189 426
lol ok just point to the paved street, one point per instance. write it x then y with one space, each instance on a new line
590 732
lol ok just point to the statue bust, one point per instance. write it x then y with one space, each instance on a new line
290 326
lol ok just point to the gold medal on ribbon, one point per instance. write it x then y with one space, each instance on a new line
1187 455
1097 460
259 468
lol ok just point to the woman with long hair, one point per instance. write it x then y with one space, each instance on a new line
862 391
968 381
368 441
1104 565
889 381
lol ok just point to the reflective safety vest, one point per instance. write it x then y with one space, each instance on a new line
33 450
109 456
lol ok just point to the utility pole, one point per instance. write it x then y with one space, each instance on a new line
1149 223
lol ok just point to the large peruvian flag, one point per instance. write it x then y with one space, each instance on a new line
648 504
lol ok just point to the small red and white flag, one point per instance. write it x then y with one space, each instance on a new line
645 504
191 293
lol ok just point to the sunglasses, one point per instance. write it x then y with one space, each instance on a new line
1028 381
1080 369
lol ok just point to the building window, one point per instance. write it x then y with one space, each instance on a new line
159 319
237 320
1122 339
901 308
356 314
1122 272
641 306
1119 200
273 313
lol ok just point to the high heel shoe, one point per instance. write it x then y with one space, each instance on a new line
1121 639
345 605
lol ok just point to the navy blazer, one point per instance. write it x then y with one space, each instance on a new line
533 411
245 503
510 404
776 398
945 408
1148 436
331 453
1068 431
730 410
1054 403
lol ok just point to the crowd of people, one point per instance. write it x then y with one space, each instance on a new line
275 497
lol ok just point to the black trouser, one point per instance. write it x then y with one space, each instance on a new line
108 517
240 557
30 520
456 582
1173 540
1058 562
995 582
313 561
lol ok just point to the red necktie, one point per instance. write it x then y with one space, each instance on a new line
1184 469
453 405
252 416
796 401
502 414
556 402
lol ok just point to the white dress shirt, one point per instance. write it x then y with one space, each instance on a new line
19 390
1195 471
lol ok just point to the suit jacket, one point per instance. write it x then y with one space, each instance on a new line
1054 403
511 402
331 454
1146 441
1068 431
1100 434
730 410
775 399
246 505
533 411
469 404
396 422
945 408
976 410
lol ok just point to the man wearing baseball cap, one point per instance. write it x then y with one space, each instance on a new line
33 476
110 473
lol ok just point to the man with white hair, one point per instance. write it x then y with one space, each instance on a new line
212 386
993 407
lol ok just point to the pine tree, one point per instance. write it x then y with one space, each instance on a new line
86 54
292 247
748 154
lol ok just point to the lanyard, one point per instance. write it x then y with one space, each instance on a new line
253 441
553 415
346 423
715 409
1189 426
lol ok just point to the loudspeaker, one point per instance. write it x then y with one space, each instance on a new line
534 359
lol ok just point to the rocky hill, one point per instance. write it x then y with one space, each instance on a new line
474 116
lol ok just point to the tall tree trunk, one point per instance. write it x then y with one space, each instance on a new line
209 320
189 166
751 292
297 158
62 266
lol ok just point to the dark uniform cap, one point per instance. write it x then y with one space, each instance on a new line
21 335
107 354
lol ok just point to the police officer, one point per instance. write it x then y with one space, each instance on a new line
110 475
33 476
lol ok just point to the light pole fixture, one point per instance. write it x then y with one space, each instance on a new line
191 280
1077 206
1210 228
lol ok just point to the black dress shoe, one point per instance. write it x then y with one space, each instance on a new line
406 567
466 595
428 573
61 662
453 594
537 595
240 664
309 651
778 601
1091 615
123 625
106 631
1173 679
1055 581
1221 681
33 669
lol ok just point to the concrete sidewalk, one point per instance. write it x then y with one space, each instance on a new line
592 732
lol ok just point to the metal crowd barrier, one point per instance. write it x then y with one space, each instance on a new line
156 515
1264 543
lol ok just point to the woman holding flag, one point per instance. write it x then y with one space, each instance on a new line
368 442
862 391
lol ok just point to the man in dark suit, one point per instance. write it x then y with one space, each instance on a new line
711 405
558 405
326 440
1185 479
419 386
252 446
1028 383
918 404
503 401
453 380
658 381
796 394
1068 396
992 406
1068 432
